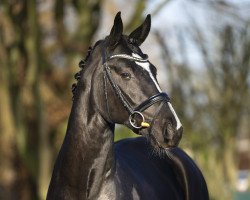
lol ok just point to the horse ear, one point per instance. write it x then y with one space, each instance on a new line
139 35
116 31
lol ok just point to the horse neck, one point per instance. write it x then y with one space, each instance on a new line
86 156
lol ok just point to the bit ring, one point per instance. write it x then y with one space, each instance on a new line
134 123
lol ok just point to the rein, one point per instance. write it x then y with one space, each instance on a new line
136 118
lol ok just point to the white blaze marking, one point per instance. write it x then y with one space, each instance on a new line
178 123
146 66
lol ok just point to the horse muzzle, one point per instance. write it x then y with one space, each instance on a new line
163 128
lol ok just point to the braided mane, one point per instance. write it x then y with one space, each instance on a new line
77 76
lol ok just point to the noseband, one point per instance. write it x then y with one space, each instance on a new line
136 118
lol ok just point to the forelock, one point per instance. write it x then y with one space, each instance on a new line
132 46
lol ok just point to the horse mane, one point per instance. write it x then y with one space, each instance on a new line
77 76
82 65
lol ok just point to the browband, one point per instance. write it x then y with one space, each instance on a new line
125 56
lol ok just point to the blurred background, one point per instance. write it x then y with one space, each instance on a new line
200 47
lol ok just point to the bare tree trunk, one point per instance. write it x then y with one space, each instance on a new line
44 149
7 142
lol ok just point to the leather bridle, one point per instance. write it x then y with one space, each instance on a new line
136 118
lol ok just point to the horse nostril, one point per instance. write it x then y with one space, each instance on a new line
170 129
168 132
172 136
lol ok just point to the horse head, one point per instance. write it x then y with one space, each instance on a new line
124 88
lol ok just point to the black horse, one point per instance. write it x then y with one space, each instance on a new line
117 84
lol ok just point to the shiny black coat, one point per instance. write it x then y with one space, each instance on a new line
144 174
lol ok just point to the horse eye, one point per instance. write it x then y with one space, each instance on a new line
126 76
